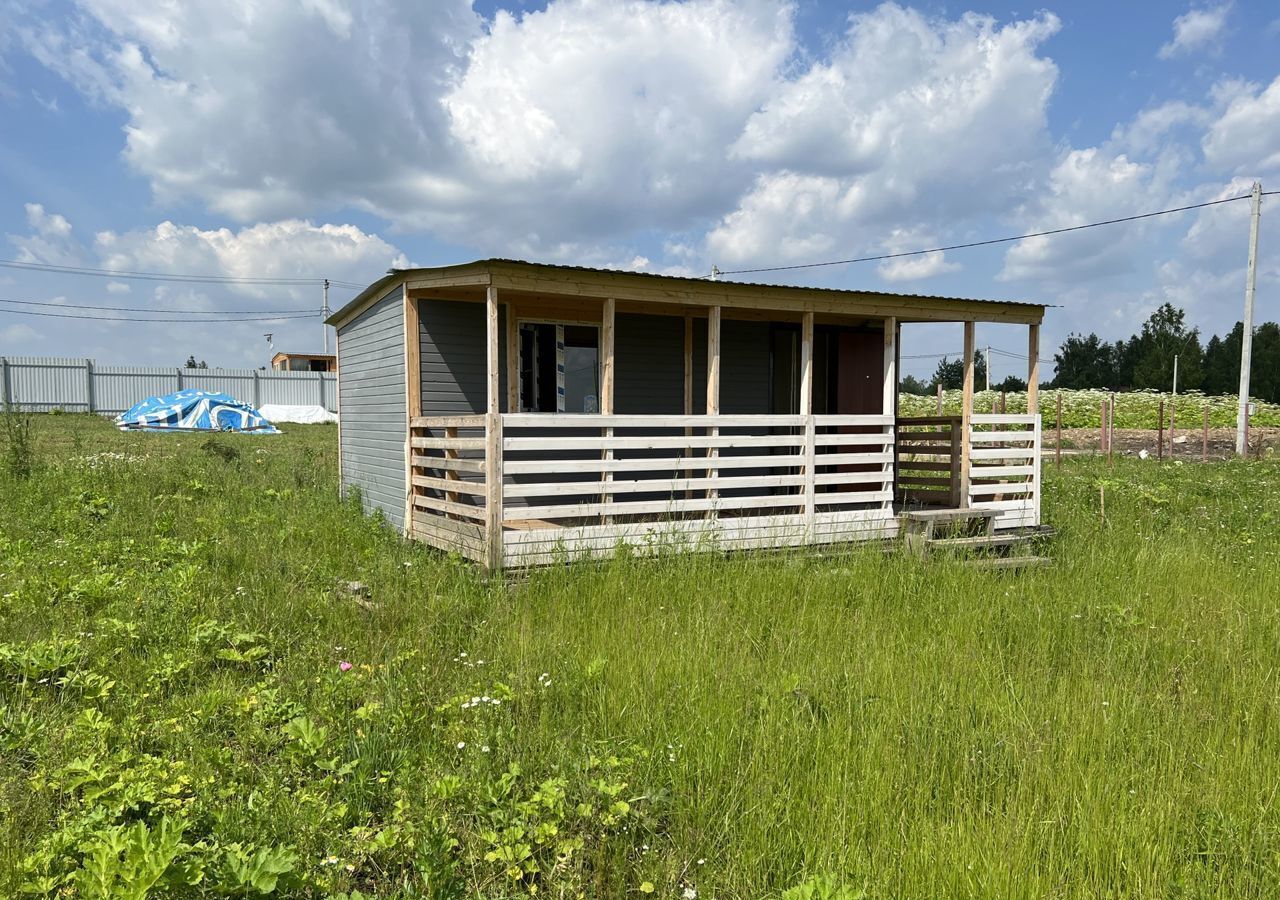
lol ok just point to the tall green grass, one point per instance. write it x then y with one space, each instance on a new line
1107 726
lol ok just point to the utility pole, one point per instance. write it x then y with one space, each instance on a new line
1175 376
987 368
324 315
1246 343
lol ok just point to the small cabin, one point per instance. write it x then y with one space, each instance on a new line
304 362
521 413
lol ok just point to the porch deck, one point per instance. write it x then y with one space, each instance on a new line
511 490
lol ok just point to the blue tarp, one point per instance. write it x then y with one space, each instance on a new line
194 411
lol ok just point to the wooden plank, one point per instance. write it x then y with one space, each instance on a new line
843 439
425 443
578 421
466 510
966 409
449 464
824 460
647 486
453 486
493 438
1002 453
994 437
607 356
513 359
619 508
647 464
552 443
890 397
806 411
1003 419
413 392
924 450
436 422
1033 368
907 421
851 478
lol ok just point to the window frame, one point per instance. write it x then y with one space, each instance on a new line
519 366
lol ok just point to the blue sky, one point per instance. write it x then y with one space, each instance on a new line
333 139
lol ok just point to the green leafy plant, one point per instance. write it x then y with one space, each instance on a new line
16 425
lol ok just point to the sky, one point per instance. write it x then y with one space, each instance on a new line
269 139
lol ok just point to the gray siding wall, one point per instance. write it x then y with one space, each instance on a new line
371 397
744 368
452 336
649 365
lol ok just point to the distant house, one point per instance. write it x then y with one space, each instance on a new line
516 413
304 362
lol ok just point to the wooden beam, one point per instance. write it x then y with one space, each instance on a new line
413 396
887 405
513 359
966 411
493 439
606 356
806 410
1033 369
713 361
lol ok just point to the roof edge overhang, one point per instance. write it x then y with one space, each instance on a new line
574 281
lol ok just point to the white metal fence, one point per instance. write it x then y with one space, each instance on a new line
80 385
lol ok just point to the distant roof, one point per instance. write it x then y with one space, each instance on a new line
299 353
395 275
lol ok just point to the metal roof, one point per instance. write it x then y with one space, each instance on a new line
394 274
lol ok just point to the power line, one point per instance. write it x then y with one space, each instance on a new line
30 312
175 276
193 312
987 243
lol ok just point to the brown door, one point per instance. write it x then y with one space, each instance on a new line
859 392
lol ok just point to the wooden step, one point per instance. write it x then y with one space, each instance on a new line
976 541
950 515
1008 562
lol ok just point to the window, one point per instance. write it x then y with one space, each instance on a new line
559 368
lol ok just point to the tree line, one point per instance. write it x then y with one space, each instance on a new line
1144 361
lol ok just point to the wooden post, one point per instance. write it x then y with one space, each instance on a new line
889 402
1057 452
493 439
1160 435
806 411
688 388
413 398
938 411
713 386
1111 428
513 359
607 317
1102 427
966 411
1204 447
1033 370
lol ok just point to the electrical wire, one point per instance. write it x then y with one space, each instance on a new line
176 276
143 309
30 312
989 242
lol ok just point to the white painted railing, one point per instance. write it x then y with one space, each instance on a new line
1004 467
583 483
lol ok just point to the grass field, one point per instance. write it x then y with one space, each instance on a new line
191 704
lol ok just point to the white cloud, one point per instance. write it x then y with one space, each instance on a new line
18 334
1086 186
50 240
1245 139
911 120
1197 29
285 249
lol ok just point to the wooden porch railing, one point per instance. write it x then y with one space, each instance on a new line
447 485
1004 472
928 461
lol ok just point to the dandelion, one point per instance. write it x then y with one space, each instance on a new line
344 666
350 867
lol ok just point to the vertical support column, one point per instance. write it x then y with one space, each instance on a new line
966 412
607 317
713 388
888 403
412 399
1033 369
513 360
6 394
257 389
810 431
88 385
493 439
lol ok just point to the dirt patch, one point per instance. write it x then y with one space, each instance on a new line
1187 444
